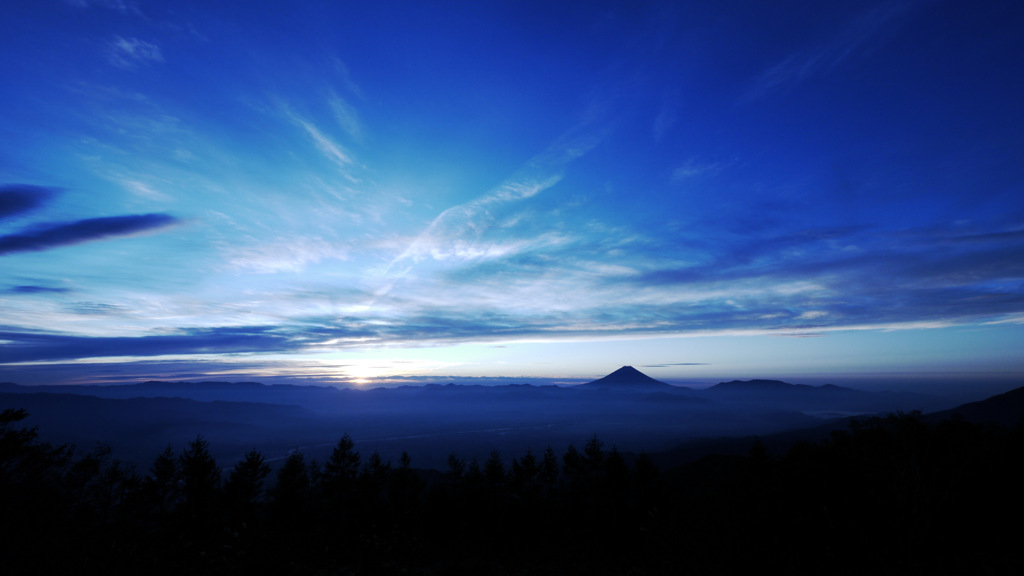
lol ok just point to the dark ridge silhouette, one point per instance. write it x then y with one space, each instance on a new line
310 397
758 385
627 377
1006 409
135 426
827 401
770 386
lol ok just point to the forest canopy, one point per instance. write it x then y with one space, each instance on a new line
890 494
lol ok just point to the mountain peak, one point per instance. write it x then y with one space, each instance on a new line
629 371
627 376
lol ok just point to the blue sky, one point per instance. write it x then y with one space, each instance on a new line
339 193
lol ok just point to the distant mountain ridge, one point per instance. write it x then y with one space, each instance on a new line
309 396
749 384
629 378
626 408
760 385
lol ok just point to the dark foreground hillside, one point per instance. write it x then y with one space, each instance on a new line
891 495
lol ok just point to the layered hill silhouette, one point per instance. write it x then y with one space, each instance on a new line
1006 409
626 408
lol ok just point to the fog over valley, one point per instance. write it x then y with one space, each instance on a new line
626 408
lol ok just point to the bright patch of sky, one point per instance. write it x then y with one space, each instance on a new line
340 193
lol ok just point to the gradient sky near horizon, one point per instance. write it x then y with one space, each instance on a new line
345 192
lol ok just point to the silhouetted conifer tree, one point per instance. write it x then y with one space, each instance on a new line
525 472
404 487
337 482
494 473
473 485
594 455
374 477
456 477
290 496
474 475
116 493
162 487
92 486
243 490
342 467
200 482
31 471
549 469
574 465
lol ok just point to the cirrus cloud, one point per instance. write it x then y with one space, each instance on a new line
129 53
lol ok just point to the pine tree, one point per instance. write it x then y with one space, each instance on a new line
162 487
404 488
525 476
456 472
290 496
373 478
549 469
494 472
343 466
338 477
243 490
594 455
200 481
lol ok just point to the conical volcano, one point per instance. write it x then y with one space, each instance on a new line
626 378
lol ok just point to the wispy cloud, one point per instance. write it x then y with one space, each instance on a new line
96 309
129 53
53 236
792 284
285 254
694 168
346 79
457 232
789 280
828 54
786 284
346 117
144 190
331 149
122 6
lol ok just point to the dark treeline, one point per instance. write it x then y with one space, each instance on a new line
889 495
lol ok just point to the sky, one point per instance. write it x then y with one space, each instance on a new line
362 193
